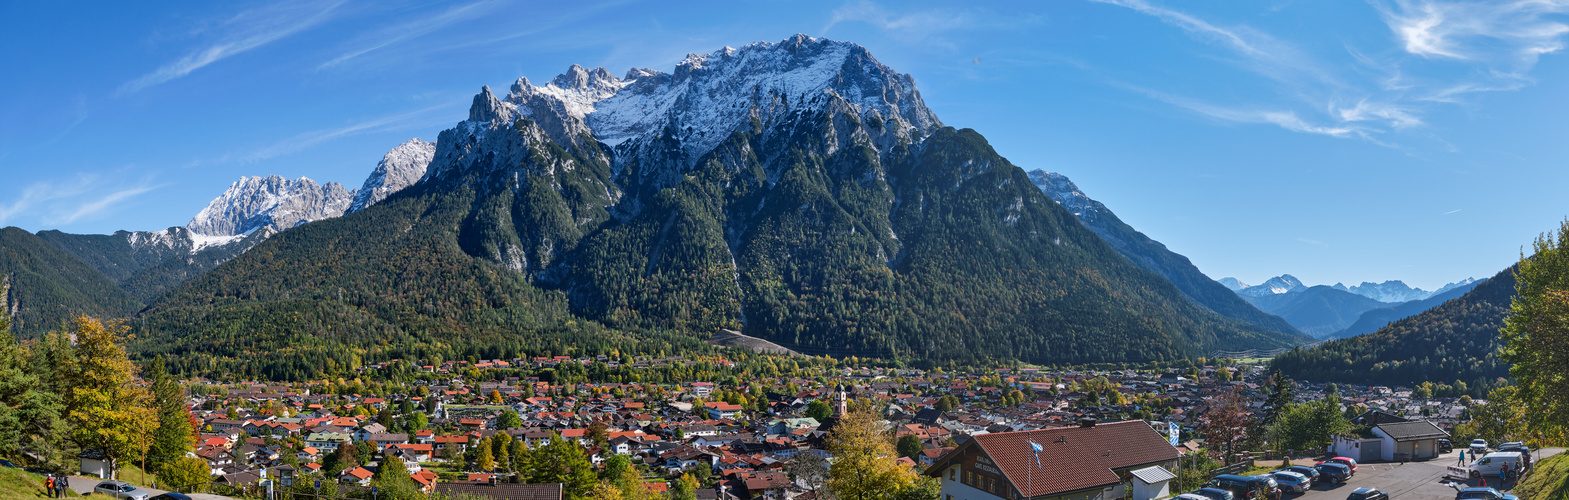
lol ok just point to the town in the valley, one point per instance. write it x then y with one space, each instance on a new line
1213 430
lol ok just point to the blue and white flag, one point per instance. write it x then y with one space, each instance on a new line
1173 432
1037 447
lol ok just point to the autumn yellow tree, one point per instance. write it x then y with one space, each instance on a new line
105 408
864 466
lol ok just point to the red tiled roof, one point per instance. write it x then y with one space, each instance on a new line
1074 458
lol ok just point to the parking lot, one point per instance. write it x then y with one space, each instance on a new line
1410 480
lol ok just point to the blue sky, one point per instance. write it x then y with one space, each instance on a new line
1336 141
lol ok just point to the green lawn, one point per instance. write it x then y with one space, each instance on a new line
17 484
1548 480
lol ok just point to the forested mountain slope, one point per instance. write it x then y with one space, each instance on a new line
1455 341
147 263
1153 255
1372 320
48 286
797 191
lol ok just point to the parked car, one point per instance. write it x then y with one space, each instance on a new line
1192 496
1492 463
1311 473
1247 487
1213 494
1483 494
1367 494
1478 447
172 496
1444 446
1511 444
121 490
1346 461
1333 473
1293 482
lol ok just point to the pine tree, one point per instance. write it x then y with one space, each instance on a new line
563 461
174 435
30 412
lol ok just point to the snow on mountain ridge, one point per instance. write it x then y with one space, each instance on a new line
1062 190
709 96
254 202
399 168
1284 283
1233 283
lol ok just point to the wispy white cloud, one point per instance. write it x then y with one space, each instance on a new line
39 193
1191 24
1514 32
928 25
1453 211
413 29
67 200
300 142
106 201
1382 94
1367 110
1282 118
247 30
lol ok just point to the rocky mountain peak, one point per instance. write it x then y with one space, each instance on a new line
488 109
399 168
1062 190
1284 283
273 201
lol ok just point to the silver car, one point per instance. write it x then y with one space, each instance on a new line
1292 481
121 490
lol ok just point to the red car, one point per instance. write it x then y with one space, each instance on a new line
1348 462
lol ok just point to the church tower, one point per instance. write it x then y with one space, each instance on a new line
841 407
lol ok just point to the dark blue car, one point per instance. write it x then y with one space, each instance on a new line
1333 473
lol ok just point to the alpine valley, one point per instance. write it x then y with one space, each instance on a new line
798 191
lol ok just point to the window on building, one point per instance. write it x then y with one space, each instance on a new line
951 473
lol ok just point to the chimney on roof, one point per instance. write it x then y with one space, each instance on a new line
1087 422
493 480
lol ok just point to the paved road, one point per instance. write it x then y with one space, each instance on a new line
1408 481
84 485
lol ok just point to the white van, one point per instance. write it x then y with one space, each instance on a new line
1489 465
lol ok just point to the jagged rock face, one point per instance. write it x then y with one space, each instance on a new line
660 124
398 169
255 202
1067 194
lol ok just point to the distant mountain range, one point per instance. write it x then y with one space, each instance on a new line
144 264
799 192
1339 311
1455 343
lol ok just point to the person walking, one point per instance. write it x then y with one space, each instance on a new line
49 485
1462 457
63 484
1503 474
